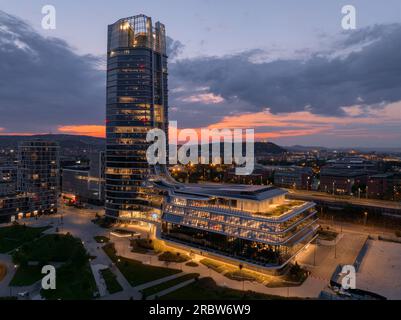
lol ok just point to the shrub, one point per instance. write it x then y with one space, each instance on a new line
192 264
171 257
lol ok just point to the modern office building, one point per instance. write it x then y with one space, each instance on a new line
38 174
136 103
84 184
253 224
256 224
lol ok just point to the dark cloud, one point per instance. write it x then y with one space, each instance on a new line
44 83
370 74
174 47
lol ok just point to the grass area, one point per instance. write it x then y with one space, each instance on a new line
293 278
213 265
174 257
233 273
74 282
74 279
168 284
142 245
16 235
101 239
282 208
26 276
49 248
192 264
112 283
146 246
135 271
3 271
207 289
241 275
326 234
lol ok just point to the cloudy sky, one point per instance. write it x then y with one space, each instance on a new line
285 69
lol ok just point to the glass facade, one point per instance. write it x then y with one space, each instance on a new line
38 174
264 238
136 102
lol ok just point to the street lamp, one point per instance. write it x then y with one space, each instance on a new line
240 266
366 217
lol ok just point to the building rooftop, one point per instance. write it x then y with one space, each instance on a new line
233 191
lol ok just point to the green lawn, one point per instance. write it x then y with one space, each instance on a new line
110 278
14 236
135 271
168 284
74 279
26 276
50 248
213 265
207 289
74 282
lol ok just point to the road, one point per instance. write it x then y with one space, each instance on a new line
322 196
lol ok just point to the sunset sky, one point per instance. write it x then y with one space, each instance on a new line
285 69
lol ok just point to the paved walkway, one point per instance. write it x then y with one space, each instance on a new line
158 281
171 289
327 258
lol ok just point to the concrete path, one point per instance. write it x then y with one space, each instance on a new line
171 289
158 281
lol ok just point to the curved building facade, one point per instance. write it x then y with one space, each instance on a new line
137 101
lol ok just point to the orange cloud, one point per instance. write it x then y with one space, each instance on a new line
86 130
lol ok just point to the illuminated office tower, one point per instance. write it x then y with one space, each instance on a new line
136 103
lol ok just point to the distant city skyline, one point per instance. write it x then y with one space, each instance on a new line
287 70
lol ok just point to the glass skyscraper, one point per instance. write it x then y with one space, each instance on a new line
136 102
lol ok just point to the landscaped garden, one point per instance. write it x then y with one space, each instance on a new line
13 236
294 277
192 264
74 279
168 284
207 289
142 245
327 234
112 283
135 271
174 257
211 264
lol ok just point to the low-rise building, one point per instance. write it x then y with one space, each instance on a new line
342 181
254 224
386 186
293 177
